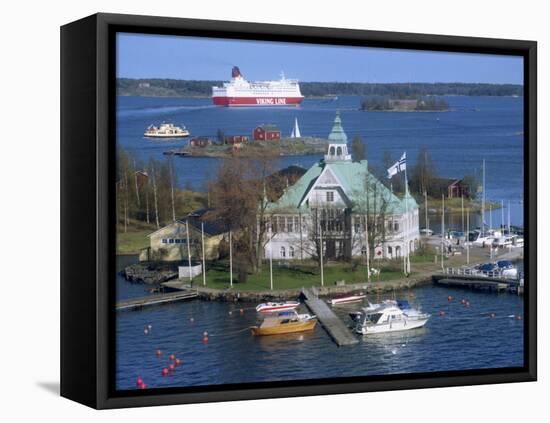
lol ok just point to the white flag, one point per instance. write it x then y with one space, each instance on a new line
399 166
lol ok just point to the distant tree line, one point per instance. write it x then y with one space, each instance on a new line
183 88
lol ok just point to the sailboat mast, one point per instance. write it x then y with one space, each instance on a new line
442 229
483 203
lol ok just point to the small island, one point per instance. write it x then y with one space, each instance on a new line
283 147
388 104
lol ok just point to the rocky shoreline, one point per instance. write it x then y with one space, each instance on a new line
153 274
232 295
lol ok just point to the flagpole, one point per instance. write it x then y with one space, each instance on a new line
203 258
230 261
407 219
321 253
442 230
270 257
188 250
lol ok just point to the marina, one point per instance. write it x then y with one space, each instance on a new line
336 329
210 329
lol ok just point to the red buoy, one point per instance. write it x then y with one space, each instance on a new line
242 311
172 367
159 352
449 298
142 386
164 371
139 381
172 357
462 301
178 362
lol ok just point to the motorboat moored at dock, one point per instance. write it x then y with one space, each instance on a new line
388 316
272 307
347 299
284 322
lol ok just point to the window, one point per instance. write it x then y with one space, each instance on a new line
330 196
164 241
289 221
390 251
396 226
291 252
296 223
363 250
339 151
171 241
283 252
332 151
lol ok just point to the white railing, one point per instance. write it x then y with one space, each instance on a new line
466 271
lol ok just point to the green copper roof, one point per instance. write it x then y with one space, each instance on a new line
353 177
337 135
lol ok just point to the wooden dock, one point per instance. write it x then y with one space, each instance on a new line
336 329
156 299
464 279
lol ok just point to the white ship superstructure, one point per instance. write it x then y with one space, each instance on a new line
240 92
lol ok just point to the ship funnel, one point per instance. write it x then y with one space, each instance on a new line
235 72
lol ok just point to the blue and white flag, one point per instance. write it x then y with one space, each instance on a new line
399 166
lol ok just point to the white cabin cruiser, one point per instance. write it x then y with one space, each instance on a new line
389 316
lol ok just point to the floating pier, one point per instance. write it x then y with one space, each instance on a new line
157 299
466 279
336 329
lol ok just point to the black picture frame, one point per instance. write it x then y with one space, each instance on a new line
87 239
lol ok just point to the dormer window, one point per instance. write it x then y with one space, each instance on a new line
330 196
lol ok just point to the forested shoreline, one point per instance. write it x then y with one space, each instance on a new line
185 88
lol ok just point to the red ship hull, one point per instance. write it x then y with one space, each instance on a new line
257 101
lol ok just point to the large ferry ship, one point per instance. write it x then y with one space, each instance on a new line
240 92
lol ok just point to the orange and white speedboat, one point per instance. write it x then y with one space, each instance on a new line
284 322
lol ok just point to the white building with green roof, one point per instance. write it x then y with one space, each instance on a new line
331 202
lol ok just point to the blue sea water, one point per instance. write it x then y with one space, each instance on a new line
477 128
464 338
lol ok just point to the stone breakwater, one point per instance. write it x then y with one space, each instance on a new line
150 274
236 295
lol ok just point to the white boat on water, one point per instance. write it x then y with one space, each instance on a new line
389 316
347 299
166 130
272 307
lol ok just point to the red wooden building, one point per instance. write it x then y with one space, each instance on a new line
458 189
235 139
267 133
200 142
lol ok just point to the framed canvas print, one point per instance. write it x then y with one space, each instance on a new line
255 211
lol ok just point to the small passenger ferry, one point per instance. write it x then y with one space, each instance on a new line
166 130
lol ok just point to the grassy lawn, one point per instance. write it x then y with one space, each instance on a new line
134 239
291 277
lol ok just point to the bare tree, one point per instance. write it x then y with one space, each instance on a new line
240 195
155 194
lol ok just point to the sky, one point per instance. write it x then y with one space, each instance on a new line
196 58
